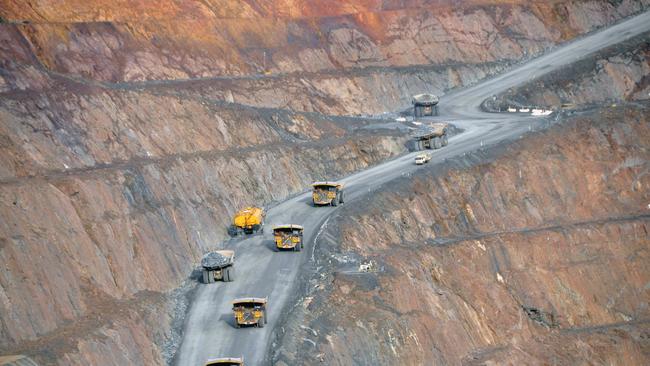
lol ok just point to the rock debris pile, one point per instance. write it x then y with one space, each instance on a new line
214 259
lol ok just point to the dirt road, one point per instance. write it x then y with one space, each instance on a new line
209 330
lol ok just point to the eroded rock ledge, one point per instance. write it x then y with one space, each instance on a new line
538 254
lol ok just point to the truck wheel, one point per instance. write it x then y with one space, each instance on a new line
237 325
231 274
206 276
262 321
335 201
445 141
297 247
341 197
232 231
437 143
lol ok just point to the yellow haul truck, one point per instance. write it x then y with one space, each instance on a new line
225 361
288 237
250 311
248 220
327 193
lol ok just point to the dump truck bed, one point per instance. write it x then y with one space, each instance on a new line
425 99
218 259
248 300
225 361
327 184
288 227
434 130
249 217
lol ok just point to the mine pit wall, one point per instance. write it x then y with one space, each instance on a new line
198 40
91 252
619 72
363 92
536 255
368 61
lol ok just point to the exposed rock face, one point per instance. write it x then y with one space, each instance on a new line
539 256
352 58
111 192
134 40
110 195
374 91
617 73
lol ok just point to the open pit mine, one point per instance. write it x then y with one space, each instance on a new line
324 182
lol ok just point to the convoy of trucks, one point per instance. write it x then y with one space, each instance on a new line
219 265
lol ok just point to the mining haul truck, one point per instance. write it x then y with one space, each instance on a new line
327 193
225 361
433 137
250 311
249 220
288 237
425 105
218 266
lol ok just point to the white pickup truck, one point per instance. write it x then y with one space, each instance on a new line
422 158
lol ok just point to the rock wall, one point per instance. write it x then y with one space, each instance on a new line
111 190
133 40
617 73
537 254
109 199
368 92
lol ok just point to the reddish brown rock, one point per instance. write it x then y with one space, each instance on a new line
134 40
538 256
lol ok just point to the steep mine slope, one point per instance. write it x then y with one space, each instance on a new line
178 39
109 198
619 72
209 331
111 192
534 253
353 57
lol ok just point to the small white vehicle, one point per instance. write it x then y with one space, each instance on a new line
422 158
